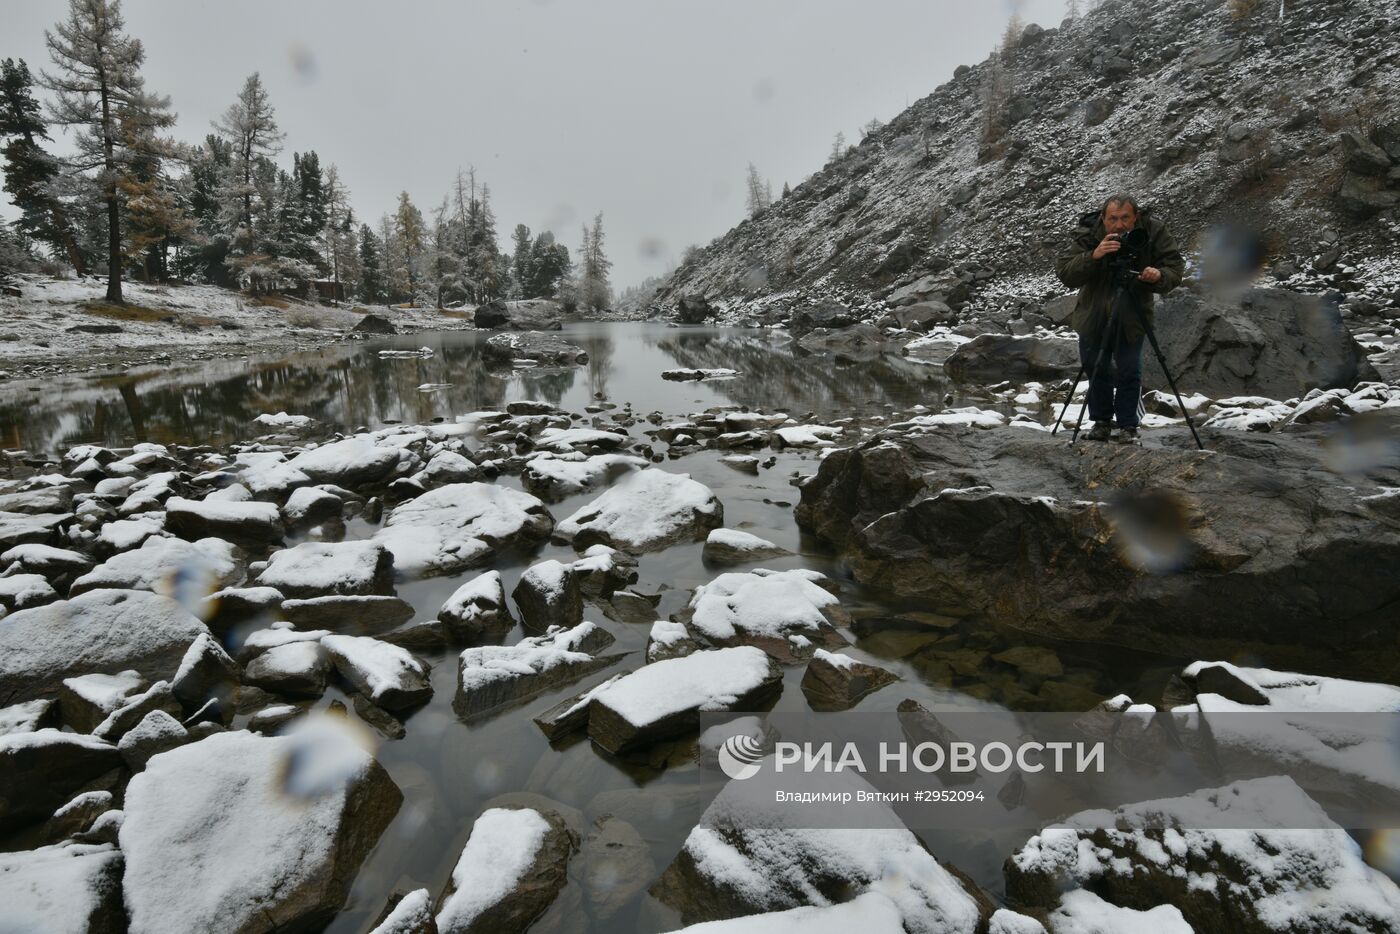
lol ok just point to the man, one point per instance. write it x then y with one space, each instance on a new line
1087 265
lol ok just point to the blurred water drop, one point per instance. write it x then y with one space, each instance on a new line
303 62
1152 530
651 247
188 584
1231 257
764 89
325 753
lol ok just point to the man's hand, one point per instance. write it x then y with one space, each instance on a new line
1150 274
1106 246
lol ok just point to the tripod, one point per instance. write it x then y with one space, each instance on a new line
1122 277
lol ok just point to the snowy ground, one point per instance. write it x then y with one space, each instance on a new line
65 325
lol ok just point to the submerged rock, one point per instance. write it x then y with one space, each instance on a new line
1162 548
240 832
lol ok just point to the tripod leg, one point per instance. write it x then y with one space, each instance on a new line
1162 361
1065 409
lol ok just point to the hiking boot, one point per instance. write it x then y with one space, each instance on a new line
1127 436
1100 431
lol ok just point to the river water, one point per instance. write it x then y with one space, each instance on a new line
448 769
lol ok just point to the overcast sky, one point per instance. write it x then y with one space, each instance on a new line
646 110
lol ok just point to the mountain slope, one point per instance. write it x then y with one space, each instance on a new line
1209 118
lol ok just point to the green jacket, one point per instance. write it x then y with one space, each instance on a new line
1078 269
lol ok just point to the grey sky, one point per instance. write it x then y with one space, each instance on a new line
646 110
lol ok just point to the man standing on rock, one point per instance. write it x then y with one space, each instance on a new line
1087 265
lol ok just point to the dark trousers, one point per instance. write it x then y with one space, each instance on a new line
1116 388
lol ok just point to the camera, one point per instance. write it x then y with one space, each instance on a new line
1131 256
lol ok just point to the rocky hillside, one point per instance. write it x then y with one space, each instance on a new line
1289 126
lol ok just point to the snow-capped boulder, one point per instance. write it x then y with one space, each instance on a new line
42 769
104 631
388 675
22 591
768 609
309 505
240 832
86 700
491 676
299 668
646 511
513 866
1254 881
556 476
460 526
162 563
250 524
548 595
834 681
351 463
157 732
731 546
412 915
478 609
355 614
59 566
316 569
664 699
66 888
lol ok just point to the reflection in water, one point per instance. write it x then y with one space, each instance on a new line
349 385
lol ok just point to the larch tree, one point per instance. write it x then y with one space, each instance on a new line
249 126
412 237
339 234
98 90
757 192
838 147
520 258
594 289
31 174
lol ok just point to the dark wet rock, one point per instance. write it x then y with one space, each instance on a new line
491 677
206 673
614 865
356 615
1271 343
374 324
250 524
861 341
229 794
535 347
603 570
829 315
523 881
693 309
991 358
548 595
533 315
103 631
570 715
838 682
664 699
42 770
1161 547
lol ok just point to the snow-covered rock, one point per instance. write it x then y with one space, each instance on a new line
57 565
157 732
240 832
167 565
556 476
316 569
646 511
41 770
299 668
309 505
99 631
567 439
766 608
22 591
732 546
491 676
131 532
548 594
268 473
461 526
66 888
805 436
665 698
250 524
868 912
388 675
834 681
511 869
1256 880
357 614
478 609
85 701
351 463
28 716
669 639
412 915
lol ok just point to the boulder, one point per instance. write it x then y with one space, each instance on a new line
103 631
41 770
555 477
240 832
834 681
22 591
490 677
548 595
1161 548
532 348
156 732
991 358
1270 343
317 569
250 524
374 324
460 526
783 612
732 546
85 701
512 868
354 614
827 315
210 563
664 699
693 309
66 888
296 668
389 676
532 315
862 341
477 611
413 914
1363 156
648 510
1256 881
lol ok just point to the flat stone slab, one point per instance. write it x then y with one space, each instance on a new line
493 676
460 526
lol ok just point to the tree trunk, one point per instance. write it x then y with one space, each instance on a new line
114 230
